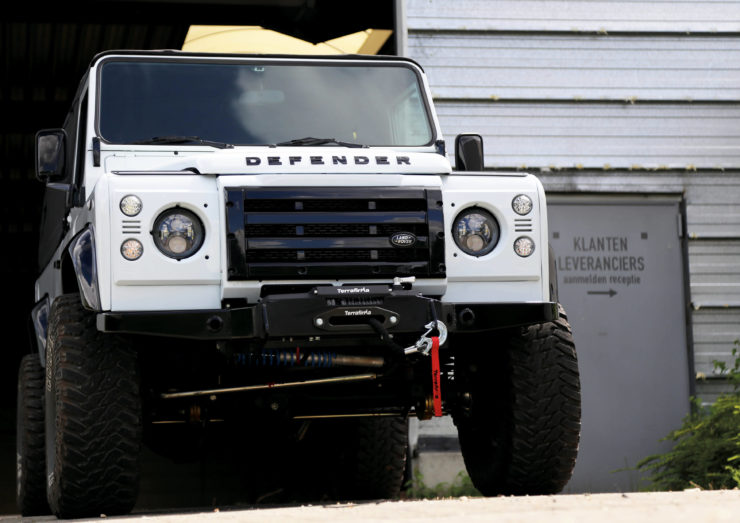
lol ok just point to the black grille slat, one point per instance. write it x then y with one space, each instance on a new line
347 270
333 229
304 217
335 206
335 243
333 255
287 233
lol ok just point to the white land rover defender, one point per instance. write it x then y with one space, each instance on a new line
281 241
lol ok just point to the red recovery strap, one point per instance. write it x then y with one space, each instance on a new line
436 388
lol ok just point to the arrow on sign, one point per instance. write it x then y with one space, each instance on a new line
610 292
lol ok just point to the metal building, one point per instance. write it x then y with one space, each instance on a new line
599 97
607 101
44 51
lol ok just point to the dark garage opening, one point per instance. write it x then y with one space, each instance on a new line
45 50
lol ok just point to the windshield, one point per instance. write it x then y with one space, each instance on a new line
266 103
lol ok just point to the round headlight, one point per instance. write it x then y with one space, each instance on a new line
524 246
130 205
522 204
178 233
132 249
476 231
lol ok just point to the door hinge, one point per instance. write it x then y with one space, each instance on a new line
96 151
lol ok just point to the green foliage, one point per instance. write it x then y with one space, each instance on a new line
706 453
461 486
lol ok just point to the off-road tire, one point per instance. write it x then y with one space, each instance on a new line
93 416
377 457
30 446
520 421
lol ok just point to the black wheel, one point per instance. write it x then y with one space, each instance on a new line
93 416
30 450
520 418
377 457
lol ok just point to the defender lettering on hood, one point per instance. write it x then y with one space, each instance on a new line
254 161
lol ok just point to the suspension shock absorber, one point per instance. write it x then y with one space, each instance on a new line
296 358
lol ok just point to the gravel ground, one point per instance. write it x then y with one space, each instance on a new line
669 507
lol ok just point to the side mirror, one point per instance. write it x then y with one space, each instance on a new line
50 147
469 152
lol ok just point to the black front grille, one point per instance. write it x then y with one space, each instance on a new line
300 233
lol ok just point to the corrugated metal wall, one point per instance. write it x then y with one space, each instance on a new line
607 96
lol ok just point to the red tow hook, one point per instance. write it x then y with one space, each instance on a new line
429 346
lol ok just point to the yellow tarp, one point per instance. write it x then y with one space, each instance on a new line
257 40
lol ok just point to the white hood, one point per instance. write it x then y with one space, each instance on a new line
282 160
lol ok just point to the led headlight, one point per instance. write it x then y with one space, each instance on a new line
130 205
132 249
178 233
476 231
524 246
522 204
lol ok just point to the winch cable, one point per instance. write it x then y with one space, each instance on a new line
396 352
433 312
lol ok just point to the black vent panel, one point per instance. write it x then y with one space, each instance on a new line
322 232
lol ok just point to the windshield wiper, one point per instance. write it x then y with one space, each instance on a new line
161 140
309 141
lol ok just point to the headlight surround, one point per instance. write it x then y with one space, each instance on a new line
476 231
178 233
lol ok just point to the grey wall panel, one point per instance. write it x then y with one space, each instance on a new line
720 219
715 274
712 210
545 82
575 15
714 333
602 136
710 389
567 67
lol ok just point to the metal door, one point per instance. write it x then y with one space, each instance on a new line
621 279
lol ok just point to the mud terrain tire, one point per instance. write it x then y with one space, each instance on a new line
380 457
93 416
520 428
30 449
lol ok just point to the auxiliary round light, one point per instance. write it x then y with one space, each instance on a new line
524 246
132 249
476 231
178 233
130 205
522 204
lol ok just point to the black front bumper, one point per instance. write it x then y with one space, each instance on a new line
328 311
